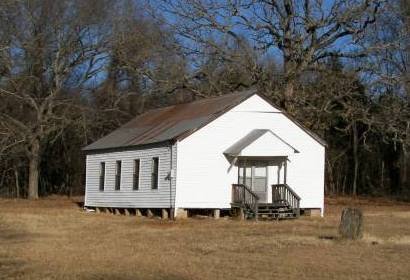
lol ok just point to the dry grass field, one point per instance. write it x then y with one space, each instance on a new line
54 239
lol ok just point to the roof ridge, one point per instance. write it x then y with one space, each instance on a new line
246 92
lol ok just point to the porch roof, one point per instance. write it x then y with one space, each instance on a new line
260 143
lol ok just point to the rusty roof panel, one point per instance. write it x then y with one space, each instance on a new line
169 123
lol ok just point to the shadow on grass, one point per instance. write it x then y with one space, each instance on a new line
10 266
79 204
328 237
9 234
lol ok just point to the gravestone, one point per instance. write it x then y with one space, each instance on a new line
351 224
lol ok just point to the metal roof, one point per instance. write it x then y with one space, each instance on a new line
251 137
169 123
176 122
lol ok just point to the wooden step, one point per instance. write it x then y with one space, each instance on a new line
276 216
275 212
271 212
273 207
284 209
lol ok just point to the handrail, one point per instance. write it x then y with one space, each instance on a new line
284 194
243 195
291 190
248 190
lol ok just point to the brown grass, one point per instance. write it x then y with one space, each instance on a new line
54 239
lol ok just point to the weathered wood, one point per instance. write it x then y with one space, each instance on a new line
273 212
351 224
117 211
245 198
127 212
241 214
283 194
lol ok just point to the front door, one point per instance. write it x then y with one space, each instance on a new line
260 183
255 178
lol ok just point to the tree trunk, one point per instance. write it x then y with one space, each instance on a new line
403 170
331 179
355 158
16 175
404 180
289 96
3 176
344 184
382 176
290 80
69 185
34 170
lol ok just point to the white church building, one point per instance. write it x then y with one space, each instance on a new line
233 152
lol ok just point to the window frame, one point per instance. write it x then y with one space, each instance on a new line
118 171
156 185
242 174
101 182
136 177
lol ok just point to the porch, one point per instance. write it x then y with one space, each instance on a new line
261 189
254 198
285 203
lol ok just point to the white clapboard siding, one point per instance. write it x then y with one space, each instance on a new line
145 197
204 175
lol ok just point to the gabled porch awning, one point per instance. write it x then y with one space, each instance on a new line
260 143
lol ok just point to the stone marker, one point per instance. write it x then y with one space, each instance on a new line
351 224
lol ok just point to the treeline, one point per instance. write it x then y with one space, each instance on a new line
73 70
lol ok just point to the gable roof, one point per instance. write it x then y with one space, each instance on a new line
169 123
251 137
177 122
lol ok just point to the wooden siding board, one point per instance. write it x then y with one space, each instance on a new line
145 197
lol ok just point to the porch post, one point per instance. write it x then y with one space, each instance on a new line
278 172
244 172
285 170
239 171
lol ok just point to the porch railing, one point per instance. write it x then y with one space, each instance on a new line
245 197
284 195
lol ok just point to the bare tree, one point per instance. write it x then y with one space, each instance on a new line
334 104
303 33
389 69
44 45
